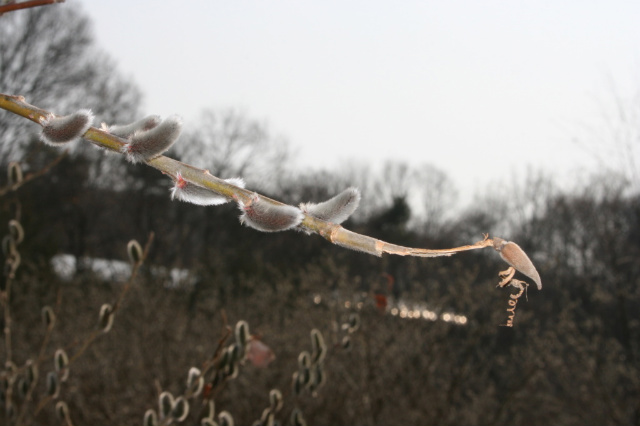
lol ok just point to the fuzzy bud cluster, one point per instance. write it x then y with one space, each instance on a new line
62 412
337 209
126 130
58 131
61 364
195 381
144 145
225 419
14 173
268 217
310 375
190 192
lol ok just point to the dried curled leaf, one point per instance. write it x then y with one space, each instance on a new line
513 301
511 253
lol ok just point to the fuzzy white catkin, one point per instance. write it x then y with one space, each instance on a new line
57 131
189 192
225 419
148 144
165 404
126 130
180 409
337 209
266 217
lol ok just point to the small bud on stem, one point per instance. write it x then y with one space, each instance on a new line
150 418
61 364
165 404
275 400
134 250
297 419
319 347
14 173
48 317
105 319
16 231
180 409
195 381
225 419
53 385
62 411
242 334
31 373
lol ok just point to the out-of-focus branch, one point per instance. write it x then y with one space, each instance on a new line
33 175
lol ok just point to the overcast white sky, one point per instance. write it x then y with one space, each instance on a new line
477 88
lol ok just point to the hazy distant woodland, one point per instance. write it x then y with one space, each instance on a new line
429 348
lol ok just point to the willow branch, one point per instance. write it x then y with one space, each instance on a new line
334 233
26 5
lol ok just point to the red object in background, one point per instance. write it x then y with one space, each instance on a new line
207 390
381 302
390 281
259 354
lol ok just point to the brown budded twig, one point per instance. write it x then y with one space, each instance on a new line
333 232
330 231
11 7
